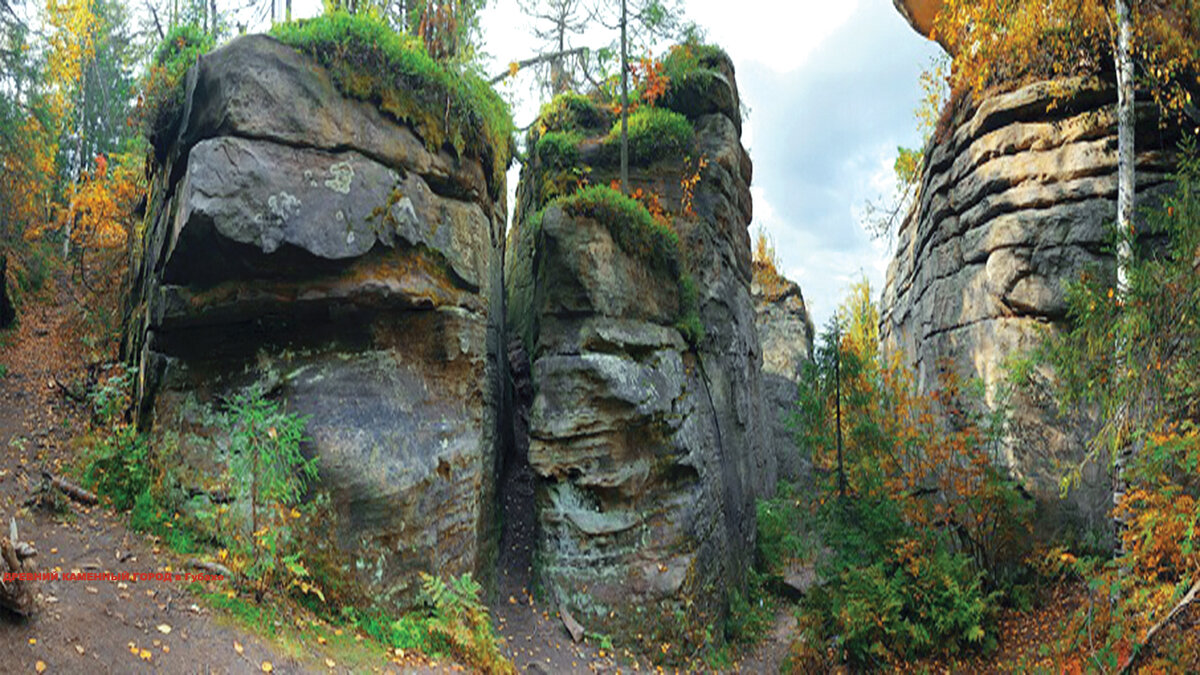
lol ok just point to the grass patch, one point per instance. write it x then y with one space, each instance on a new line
369 61
654 134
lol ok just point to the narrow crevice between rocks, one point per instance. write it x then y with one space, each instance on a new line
516 490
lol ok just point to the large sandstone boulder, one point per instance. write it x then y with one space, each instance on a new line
785 331
648 450
1013 204
301 241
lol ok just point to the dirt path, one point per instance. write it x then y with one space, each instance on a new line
145 626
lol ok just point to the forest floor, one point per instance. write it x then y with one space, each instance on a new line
170 626
122 627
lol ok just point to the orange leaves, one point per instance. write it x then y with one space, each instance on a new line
648 77
102 203
691 178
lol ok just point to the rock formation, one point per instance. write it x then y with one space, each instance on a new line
648 450
1015 202
785 331
305 242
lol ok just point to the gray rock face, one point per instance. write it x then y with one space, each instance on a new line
1014 204
785 331
649 452
304 242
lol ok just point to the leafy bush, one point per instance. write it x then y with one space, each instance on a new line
654 134
904 605
782 525
369 61
163 87
1146 396
751 614
452 620
270 474
922 527
119 467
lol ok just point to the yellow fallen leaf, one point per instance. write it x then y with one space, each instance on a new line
79 649
145 654
33 641
267 667
320 640
164 629
166 649
40 667
133 649
330 663
237 647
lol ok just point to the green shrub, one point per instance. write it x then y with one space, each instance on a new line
270 473
901 608
654 134
118 467
781 523
751 614
452 620
369 61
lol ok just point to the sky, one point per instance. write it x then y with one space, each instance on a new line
831 86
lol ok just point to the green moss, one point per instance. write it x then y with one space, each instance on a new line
558 149
571 111
163 87
631 225
369 61
654 134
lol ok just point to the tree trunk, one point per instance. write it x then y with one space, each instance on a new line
7 313
624 102
837 384
1125 204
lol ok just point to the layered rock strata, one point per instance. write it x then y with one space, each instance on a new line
648 450
1014 203
303 242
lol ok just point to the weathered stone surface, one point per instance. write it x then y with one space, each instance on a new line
785 331
302 242
1016 202
255 87
649 452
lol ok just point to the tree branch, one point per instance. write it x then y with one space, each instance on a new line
541 58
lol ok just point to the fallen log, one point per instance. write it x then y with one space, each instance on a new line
70 489
16 557
1154 630
210 567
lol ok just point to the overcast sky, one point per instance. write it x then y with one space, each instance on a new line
831 86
